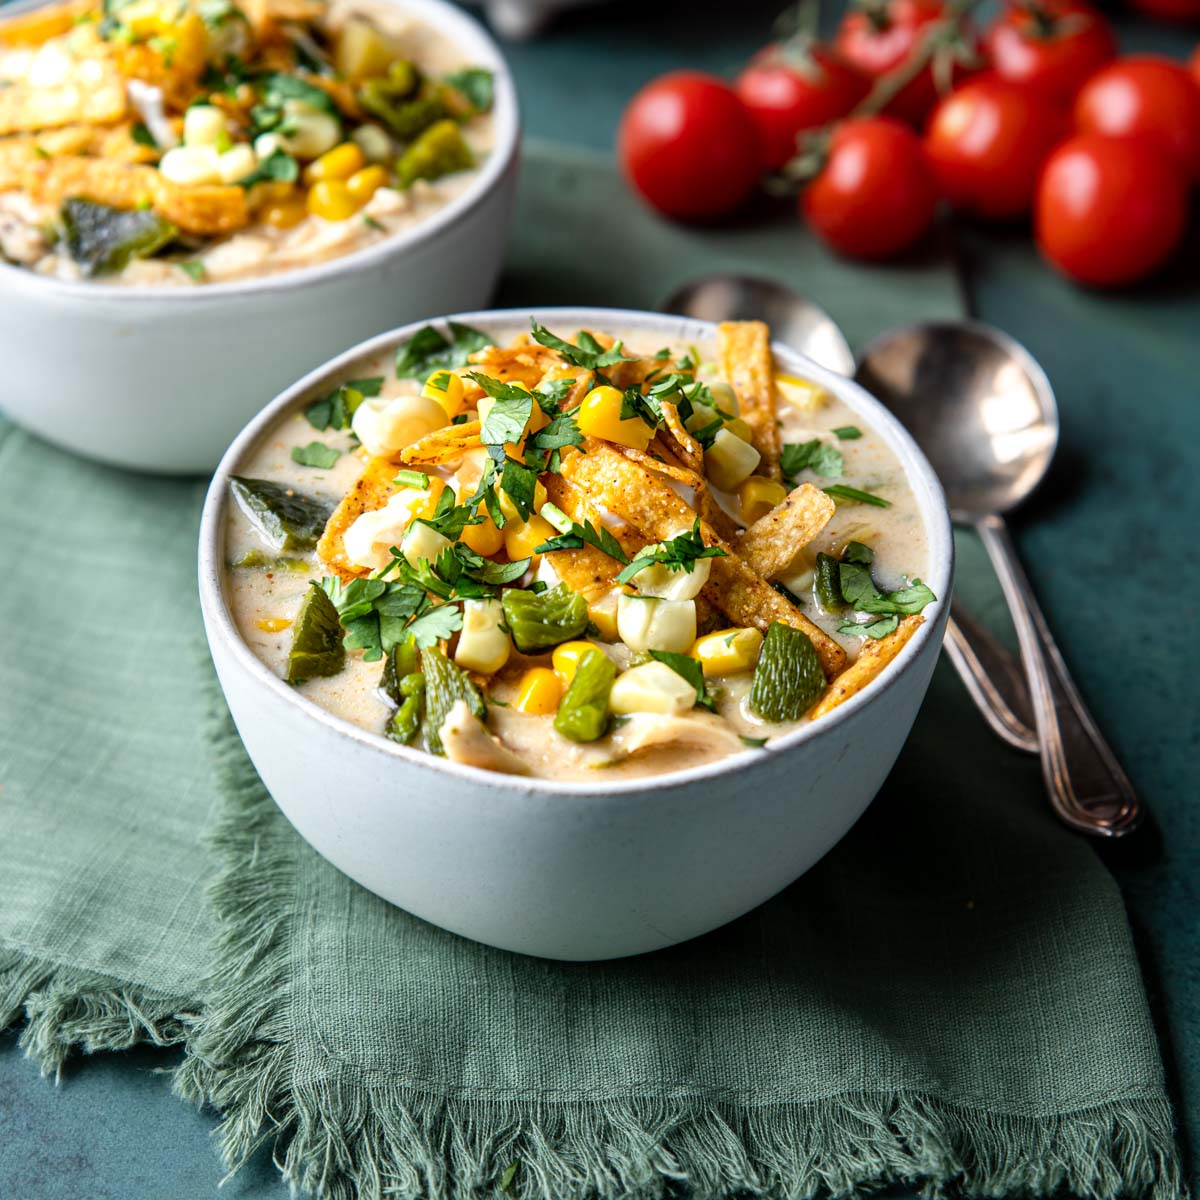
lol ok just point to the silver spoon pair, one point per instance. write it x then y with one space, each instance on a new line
984 413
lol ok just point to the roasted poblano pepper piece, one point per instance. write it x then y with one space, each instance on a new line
828 584
102 239
539 622
401 102
583 711
444 685
317 648
402 659
440 150
286 518
406 720
269 562
789 678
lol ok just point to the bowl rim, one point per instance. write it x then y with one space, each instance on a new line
463 30
219 623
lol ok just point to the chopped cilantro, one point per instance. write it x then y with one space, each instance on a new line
476 84
315 454
142 136
336 410
878 628
509 415
428 350
563 430
847 433
279 166
815 455
370 222
579 535
588 353
753 742
193 270
678 554
436 623
840 492
411 479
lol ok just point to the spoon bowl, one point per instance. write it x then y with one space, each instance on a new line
795 320
978 404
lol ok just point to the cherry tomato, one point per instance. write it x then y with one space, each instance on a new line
987 142
787 92
878 42
1109 210
689 147
876 194
1170 10
1051 46
1147 97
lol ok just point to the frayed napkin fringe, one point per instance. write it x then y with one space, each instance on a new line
66 1009
346 1138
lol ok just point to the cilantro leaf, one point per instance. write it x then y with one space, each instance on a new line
336 410
509 415
753 742
690 669
585 534
815 455
562 431
856 552
551 395
434 624
588 354
373 613
476 84
636 406
862 594
878 628
278 167
315 454
678 554
519 483
841 492
428 351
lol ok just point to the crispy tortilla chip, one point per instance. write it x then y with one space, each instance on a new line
442 445
652 506
771 544
118 144
872 658
564 370
665 463
689 451
42 24
95 96
207 209
526 365
372 490
175 68
744 348
263 15
586 570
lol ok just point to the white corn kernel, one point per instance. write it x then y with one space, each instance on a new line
372 535
725 397
203 125
652 688
422 541
267 143
308 132
373 142
386 425
483 646
659 580
236 163
729 460
648 623
191 165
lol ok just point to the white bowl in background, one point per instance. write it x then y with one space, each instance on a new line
160 379
570 870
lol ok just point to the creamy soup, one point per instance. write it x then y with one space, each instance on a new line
166 143
781 550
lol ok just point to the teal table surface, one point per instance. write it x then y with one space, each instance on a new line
1117 572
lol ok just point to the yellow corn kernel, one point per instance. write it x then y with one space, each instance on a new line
365 183
803 393
758 495
567 657
447 389
539 693
603 614
520 537
426 508
728 651
273 624
285 214
484 538
509 509
331 200
600 416
339 163
740 429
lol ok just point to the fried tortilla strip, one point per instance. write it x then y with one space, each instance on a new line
582 382
95 96
665 463
176 68
771 544
585 569
652 506
206 209
744 349
42 24
118 143
263 15
685 447
872 658
526 365
371 490
442 445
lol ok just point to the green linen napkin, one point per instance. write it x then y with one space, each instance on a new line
950 999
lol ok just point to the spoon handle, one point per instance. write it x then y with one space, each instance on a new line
993 679
1088 789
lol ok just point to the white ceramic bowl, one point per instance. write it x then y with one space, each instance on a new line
571 870
161 379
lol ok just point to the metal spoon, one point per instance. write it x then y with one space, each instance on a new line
984 413
992 677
